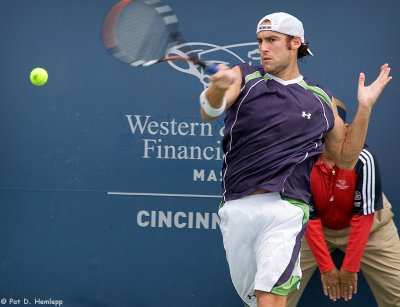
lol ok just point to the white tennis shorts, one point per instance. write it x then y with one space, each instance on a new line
262 235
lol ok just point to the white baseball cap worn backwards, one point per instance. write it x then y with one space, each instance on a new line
283 23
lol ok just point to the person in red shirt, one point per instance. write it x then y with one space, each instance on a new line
349 212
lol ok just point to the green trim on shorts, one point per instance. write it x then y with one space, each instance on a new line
288 287
301 204
221 204
292 284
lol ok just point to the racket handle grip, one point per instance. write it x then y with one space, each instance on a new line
211 69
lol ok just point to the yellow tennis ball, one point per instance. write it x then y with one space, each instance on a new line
39 76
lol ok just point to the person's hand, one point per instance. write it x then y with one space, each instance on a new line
223 78
368 95
348 284
331 284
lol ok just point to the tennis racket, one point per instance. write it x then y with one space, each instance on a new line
142 32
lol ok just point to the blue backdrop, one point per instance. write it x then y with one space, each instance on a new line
110 181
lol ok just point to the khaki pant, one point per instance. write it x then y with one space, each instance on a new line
380 262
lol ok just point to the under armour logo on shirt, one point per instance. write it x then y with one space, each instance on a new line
308 115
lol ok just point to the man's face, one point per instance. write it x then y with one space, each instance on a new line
276 51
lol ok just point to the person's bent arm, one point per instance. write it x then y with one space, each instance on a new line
345 144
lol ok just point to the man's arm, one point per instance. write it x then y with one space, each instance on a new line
345 144
225 84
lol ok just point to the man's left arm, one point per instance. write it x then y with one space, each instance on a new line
345 144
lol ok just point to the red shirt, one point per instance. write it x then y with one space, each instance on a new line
341 199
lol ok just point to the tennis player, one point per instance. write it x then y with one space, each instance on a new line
276 123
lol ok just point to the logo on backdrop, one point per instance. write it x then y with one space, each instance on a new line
172 138
228 54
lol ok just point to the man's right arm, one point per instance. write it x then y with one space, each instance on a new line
225 84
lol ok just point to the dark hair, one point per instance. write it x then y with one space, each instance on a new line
303 50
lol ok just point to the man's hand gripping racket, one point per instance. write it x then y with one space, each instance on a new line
140 33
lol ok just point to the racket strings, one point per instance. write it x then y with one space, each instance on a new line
143 32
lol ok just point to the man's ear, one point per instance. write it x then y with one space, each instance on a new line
296 42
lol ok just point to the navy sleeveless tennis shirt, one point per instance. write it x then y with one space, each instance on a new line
273 134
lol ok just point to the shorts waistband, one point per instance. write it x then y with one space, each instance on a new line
266 196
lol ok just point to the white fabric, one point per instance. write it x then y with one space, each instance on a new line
259 234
